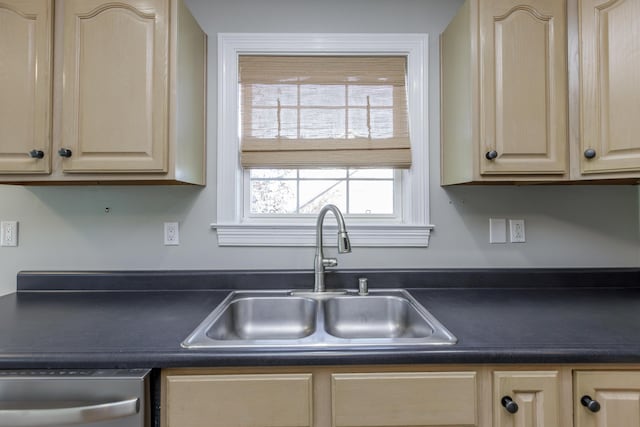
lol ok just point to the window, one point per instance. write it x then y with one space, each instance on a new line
273 205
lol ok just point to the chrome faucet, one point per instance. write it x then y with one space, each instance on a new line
344 246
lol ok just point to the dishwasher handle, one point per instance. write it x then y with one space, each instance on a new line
37 417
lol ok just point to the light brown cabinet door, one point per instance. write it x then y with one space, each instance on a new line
610 85
523 80
526 399
114 115
242 400
25 85
404 399
617 394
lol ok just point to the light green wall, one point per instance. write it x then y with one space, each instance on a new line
68 228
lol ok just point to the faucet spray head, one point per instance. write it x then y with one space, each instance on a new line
344 244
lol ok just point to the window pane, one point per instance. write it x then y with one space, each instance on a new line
371 197
358 123
371 173
262 120
272 173
315 194
273 197
323 173
381 123
322 95
269 95
379 96
318 123
289 123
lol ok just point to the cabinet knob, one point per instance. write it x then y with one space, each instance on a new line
589 153
590 404
36 154
491 154
64 152
509 404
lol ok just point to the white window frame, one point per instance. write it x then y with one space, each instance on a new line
235 228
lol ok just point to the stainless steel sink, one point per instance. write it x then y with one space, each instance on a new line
264 318
372 316
284 319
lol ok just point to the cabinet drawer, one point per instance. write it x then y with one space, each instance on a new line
404 399
282 400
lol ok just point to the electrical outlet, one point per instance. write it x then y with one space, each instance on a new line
171 234
9 233
516 228
497 230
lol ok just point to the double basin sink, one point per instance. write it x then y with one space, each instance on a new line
307 320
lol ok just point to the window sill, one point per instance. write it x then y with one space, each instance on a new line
361 235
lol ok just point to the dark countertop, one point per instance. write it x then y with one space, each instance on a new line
55 326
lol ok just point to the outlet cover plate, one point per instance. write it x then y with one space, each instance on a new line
516 230
171 234
9 233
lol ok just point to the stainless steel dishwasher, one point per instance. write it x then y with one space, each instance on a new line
74 397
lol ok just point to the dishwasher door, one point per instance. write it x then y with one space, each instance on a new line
94 398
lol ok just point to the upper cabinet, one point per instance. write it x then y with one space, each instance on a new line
25 85
523 77
609 52
128 95
504 92
114 100
541 91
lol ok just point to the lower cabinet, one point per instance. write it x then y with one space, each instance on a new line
407 395
245 400
320 397
606 398
526 398
404 399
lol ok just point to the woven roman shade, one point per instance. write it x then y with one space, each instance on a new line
323 111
